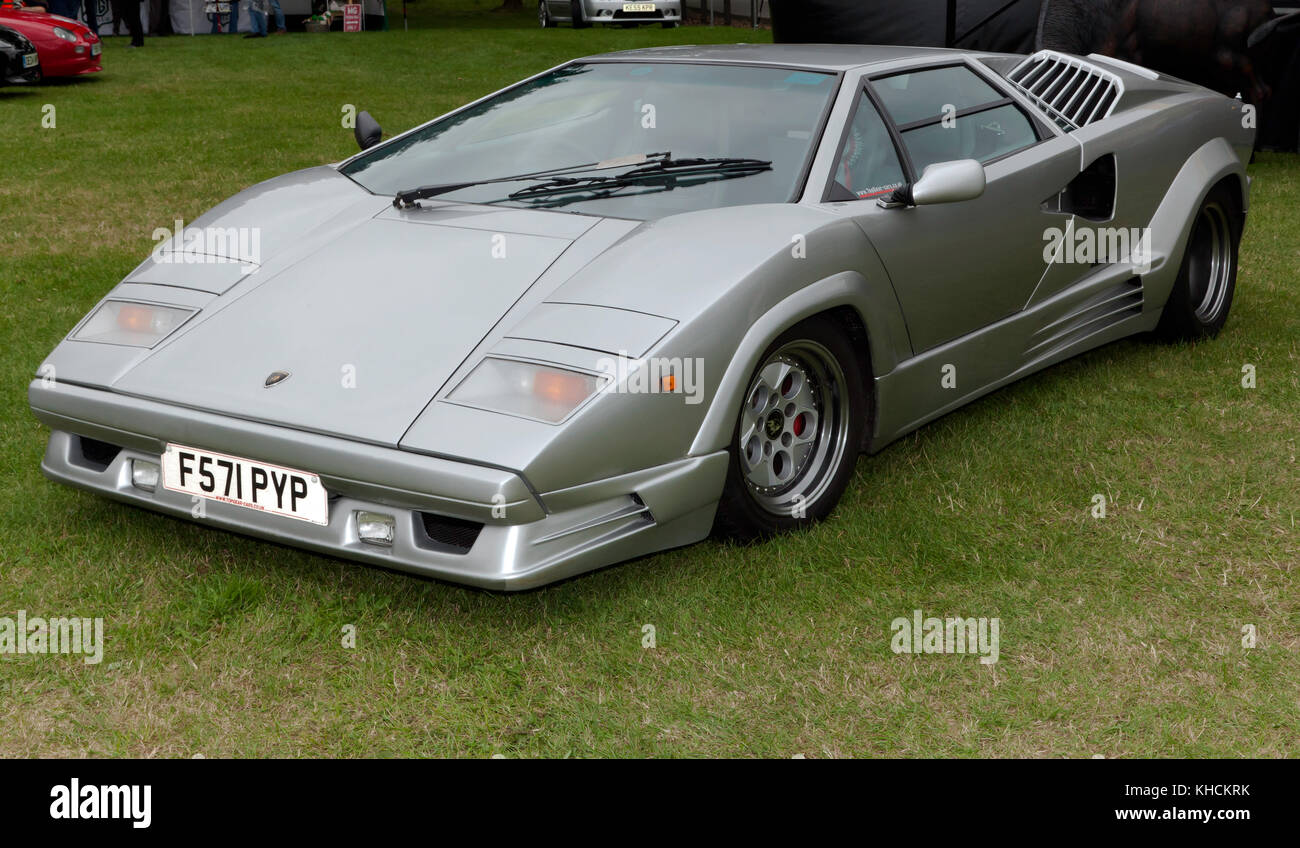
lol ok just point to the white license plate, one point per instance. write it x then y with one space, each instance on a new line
96 48
243 482
638 7
31 60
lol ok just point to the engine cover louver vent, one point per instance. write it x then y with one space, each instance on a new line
1073 92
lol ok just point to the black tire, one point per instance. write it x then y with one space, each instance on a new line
544 15
819 378
1202 294
669 25
576 14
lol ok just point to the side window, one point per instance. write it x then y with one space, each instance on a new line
981 136
868 165
950 113
921 95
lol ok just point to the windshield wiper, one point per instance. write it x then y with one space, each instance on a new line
662 168
553 200
666 174
411 195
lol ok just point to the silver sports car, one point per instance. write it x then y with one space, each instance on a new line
584 13
643 297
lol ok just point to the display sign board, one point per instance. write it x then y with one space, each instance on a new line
352 17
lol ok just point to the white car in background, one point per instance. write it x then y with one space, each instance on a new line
584 13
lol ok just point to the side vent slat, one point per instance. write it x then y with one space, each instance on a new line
1094 315
1074 93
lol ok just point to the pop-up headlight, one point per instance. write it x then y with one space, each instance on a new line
545 392
136 324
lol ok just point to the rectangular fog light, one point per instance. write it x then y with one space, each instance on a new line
144 474
376 528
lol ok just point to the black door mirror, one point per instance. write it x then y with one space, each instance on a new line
367 131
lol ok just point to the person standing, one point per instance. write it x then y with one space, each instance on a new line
233 17
257 10
160 17
129 12
279 17
92 20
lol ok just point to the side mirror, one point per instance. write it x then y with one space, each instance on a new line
367 131
942 182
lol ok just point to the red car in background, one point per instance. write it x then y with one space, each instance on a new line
67 48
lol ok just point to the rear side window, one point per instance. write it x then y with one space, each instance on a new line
951 113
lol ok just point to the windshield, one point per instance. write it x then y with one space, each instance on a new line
593 112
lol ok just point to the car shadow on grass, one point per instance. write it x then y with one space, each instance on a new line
68 82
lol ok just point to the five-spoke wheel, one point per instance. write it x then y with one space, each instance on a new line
799 430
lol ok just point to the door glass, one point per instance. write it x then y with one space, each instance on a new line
925 106
927 94
982 136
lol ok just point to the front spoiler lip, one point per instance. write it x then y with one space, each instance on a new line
522 546
504 557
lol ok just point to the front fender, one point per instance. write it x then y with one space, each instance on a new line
874 304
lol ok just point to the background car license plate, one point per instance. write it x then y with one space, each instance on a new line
242 482
30 60
638 7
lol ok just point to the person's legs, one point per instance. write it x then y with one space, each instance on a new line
279 15
234 16
131 17
258 20
91 20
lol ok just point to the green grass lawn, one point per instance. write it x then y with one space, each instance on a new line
1119 637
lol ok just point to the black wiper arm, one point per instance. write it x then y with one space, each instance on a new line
565 196
410 196
666 172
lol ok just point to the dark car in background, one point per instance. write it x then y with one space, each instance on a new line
19 62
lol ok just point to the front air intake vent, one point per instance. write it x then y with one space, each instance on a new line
1074 93
94 454
452 535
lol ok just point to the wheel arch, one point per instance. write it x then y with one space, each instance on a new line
872 322
1214 163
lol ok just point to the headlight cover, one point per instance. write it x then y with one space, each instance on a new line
66 35
124 322
531 390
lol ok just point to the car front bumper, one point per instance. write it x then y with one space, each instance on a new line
14 71
612 12
66 62
518 538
